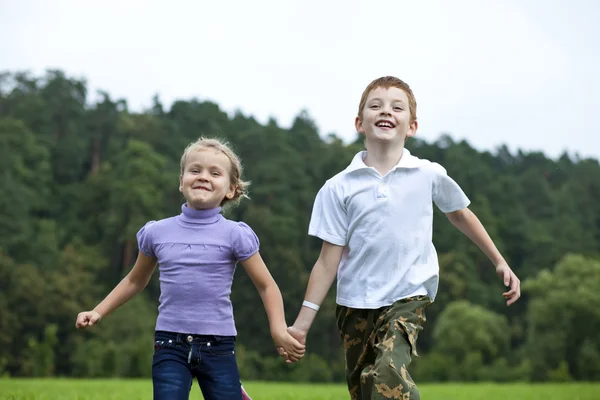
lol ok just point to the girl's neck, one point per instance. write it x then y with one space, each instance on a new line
194 216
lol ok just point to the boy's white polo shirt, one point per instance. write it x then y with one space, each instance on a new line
386 225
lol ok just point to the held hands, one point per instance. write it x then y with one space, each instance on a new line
510 280
288 347
87 318
297 334
300 337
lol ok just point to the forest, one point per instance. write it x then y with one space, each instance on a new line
82 173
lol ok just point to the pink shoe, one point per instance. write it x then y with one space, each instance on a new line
245 395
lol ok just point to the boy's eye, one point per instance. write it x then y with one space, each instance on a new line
216 174
398 108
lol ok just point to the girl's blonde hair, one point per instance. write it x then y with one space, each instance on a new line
235 173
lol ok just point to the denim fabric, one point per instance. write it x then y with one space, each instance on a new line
179 357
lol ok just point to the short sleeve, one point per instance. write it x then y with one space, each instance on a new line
447 194
329 220
244 241
145 239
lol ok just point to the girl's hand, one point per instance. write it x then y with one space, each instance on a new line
87 318
288 347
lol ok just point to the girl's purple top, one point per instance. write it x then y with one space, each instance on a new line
197 252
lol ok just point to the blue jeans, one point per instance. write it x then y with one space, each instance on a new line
179 357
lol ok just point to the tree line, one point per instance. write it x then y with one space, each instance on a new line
81 176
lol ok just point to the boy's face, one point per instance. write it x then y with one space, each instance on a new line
386 117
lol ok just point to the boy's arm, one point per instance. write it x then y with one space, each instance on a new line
468 223
321 278
273 302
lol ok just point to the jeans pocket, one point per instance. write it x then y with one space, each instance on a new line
224 346
164 341
162 344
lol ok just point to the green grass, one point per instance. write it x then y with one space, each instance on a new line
70 389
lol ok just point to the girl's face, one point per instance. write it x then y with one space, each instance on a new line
206 180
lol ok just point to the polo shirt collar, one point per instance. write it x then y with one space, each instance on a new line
406 161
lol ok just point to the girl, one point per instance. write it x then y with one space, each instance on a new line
197 252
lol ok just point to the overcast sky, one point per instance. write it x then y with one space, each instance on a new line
519 72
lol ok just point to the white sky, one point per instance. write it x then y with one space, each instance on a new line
520 72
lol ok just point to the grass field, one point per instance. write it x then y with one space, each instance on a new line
68 389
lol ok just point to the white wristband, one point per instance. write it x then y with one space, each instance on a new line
311 305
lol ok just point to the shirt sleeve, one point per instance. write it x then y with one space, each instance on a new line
145 239
447 194
245 242
329 220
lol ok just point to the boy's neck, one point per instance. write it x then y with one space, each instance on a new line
383 158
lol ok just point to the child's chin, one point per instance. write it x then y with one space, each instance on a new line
390 138
195 204
201 205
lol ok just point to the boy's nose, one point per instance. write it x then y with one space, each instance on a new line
386 110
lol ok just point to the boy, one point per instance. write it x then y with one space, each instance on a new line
375 219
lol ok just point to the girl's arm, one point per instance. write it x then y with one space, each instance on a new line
273 302
136 280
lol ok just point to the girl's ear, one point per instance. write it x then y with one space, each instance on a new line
231 192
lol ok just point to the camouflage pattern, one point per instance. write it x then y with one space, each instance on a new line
378 345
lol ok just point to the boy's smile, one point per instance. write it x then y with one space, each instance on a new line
385 124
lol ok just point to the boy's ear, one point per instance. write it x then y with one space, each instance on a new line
359 126
180 183
412 129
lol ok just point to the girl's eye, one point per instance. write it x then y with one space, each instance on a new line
216 174
375 106
398 108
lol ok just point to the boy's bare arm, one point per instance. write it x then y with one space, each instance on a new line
321 278
468 223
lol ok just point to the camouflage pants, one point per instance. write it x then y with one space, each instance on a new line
378 345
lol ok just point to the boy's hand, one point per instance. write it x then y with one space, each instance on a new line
298 334
87 318
288 347
510 280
